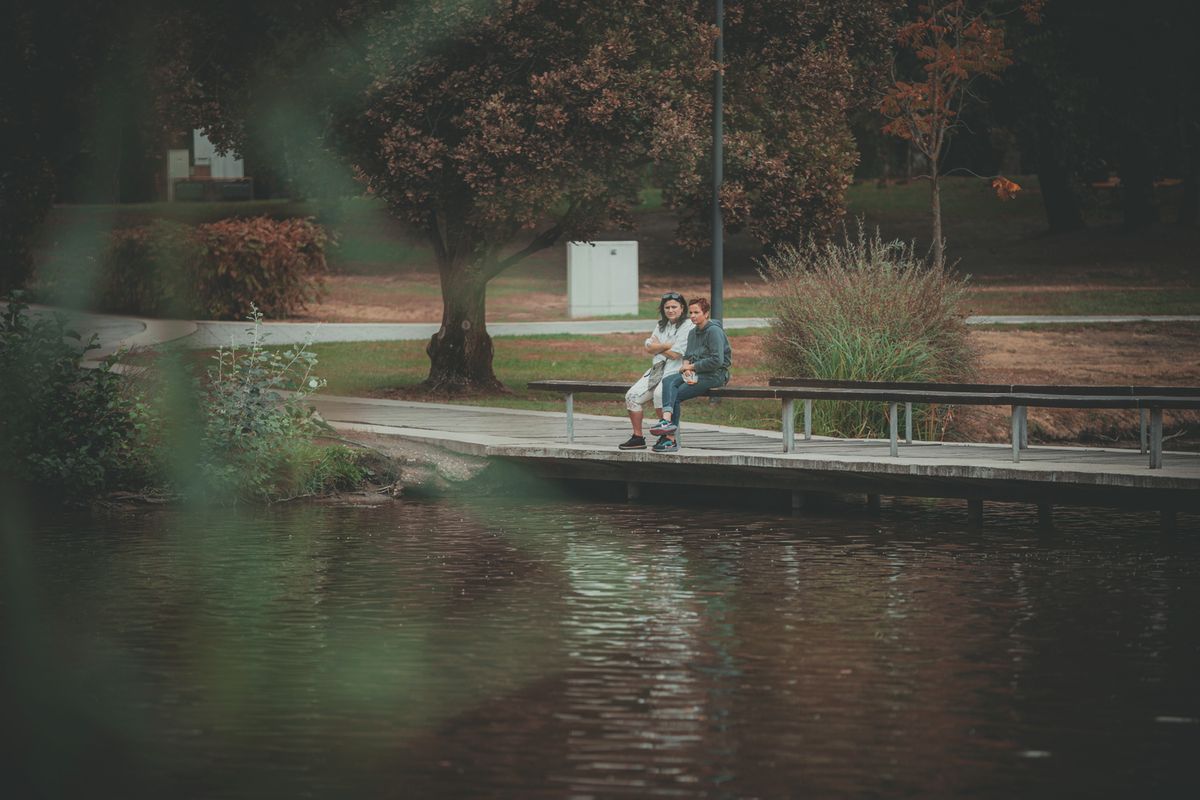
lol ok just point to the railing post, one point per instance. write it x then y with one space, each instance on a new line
1156 443
892 425
1144 415
808 419
1016 434
570 418
908 423
1024 427
789 425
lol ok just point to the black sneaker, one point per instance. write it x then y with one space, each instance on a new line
633 443
664 426
665 445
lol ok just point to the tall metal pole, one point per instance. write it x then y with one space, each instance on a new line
718 164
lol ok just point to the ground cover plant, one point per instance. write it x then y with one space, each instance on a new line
257 430
238 430
65 430
867 310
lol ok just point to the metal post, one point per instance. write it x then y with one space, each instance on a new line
892 425
908 423
718 167
1016 434
808 420
570 417
1144 414
1024 427
789 425
632 490
1156 445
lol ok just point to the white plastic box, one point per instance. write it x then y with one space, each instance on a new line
602 279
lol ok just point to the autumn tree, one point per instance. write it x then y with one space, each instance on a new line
793 73
498 129
955 43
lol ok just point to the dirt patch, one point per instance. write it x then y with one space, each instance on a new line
1152 355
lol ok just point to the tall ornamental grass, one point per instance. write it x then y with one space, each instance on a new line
868 310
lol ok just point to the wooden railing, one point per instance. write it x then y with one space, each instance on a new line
1150 401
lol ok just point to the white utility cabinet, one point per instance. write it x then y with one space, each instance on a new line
602 279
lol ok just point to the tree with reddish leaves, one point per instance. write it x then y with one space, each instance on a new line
793 73
498 129
954 43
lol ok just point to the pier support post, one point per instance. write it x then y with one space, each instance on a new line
1045 515
975 513
808 420
633 490
1144 419
799 500
908 423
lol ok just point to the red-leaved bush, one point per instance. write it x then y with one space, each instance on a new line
216 270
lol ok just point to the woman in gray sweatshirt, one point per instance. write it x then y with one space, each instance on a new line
706 363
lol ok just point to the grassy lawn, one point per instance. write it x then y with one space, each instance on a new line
1003 244
392 369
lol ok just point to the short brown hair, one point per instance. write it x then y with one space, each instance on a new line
700 301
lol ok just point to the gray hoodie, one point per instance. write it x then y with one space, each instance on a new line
708 350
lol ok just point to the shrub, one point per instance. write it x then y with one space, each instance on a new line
151 270
258 435
863 309
218 270
63 428
277 264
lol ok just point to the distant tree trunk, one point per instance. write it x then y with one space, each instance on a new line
1137 184
460 353
1064 212
935 205
1063 209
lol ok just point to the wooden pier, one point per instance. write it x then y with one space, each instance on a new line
737 457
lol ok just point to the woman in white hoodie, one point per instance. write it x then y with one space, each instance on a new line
666 344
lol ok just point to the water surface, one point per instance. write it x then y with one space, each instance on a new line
572 649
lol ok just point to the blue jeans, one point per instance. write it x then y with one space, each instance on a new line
676 390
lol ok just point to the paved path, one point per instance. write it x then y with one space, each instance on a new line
720 455
117 331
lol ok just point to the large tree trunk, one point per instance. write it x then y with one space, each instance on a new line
460 353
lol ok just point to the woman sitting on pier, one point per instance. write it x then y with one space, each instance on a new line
665 343
706 362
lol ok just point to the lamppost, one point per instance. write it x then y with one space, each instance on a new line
717 284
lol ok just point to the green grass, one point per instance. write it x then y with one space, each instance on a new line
1181 300
381 369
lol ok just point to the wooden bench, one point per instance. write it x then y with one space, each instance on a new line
788 390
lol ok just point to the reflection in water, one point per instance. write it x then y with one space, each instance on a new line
503 649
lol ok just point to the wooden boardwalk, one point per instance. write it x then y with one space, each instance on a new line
721 456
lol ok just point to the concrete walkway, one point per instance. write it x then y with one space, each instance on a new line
117 332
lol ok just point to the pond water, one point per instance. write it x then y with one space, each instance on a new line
509 647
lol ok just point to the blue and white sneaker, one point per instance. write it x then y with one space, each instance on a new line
663 427
665 445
